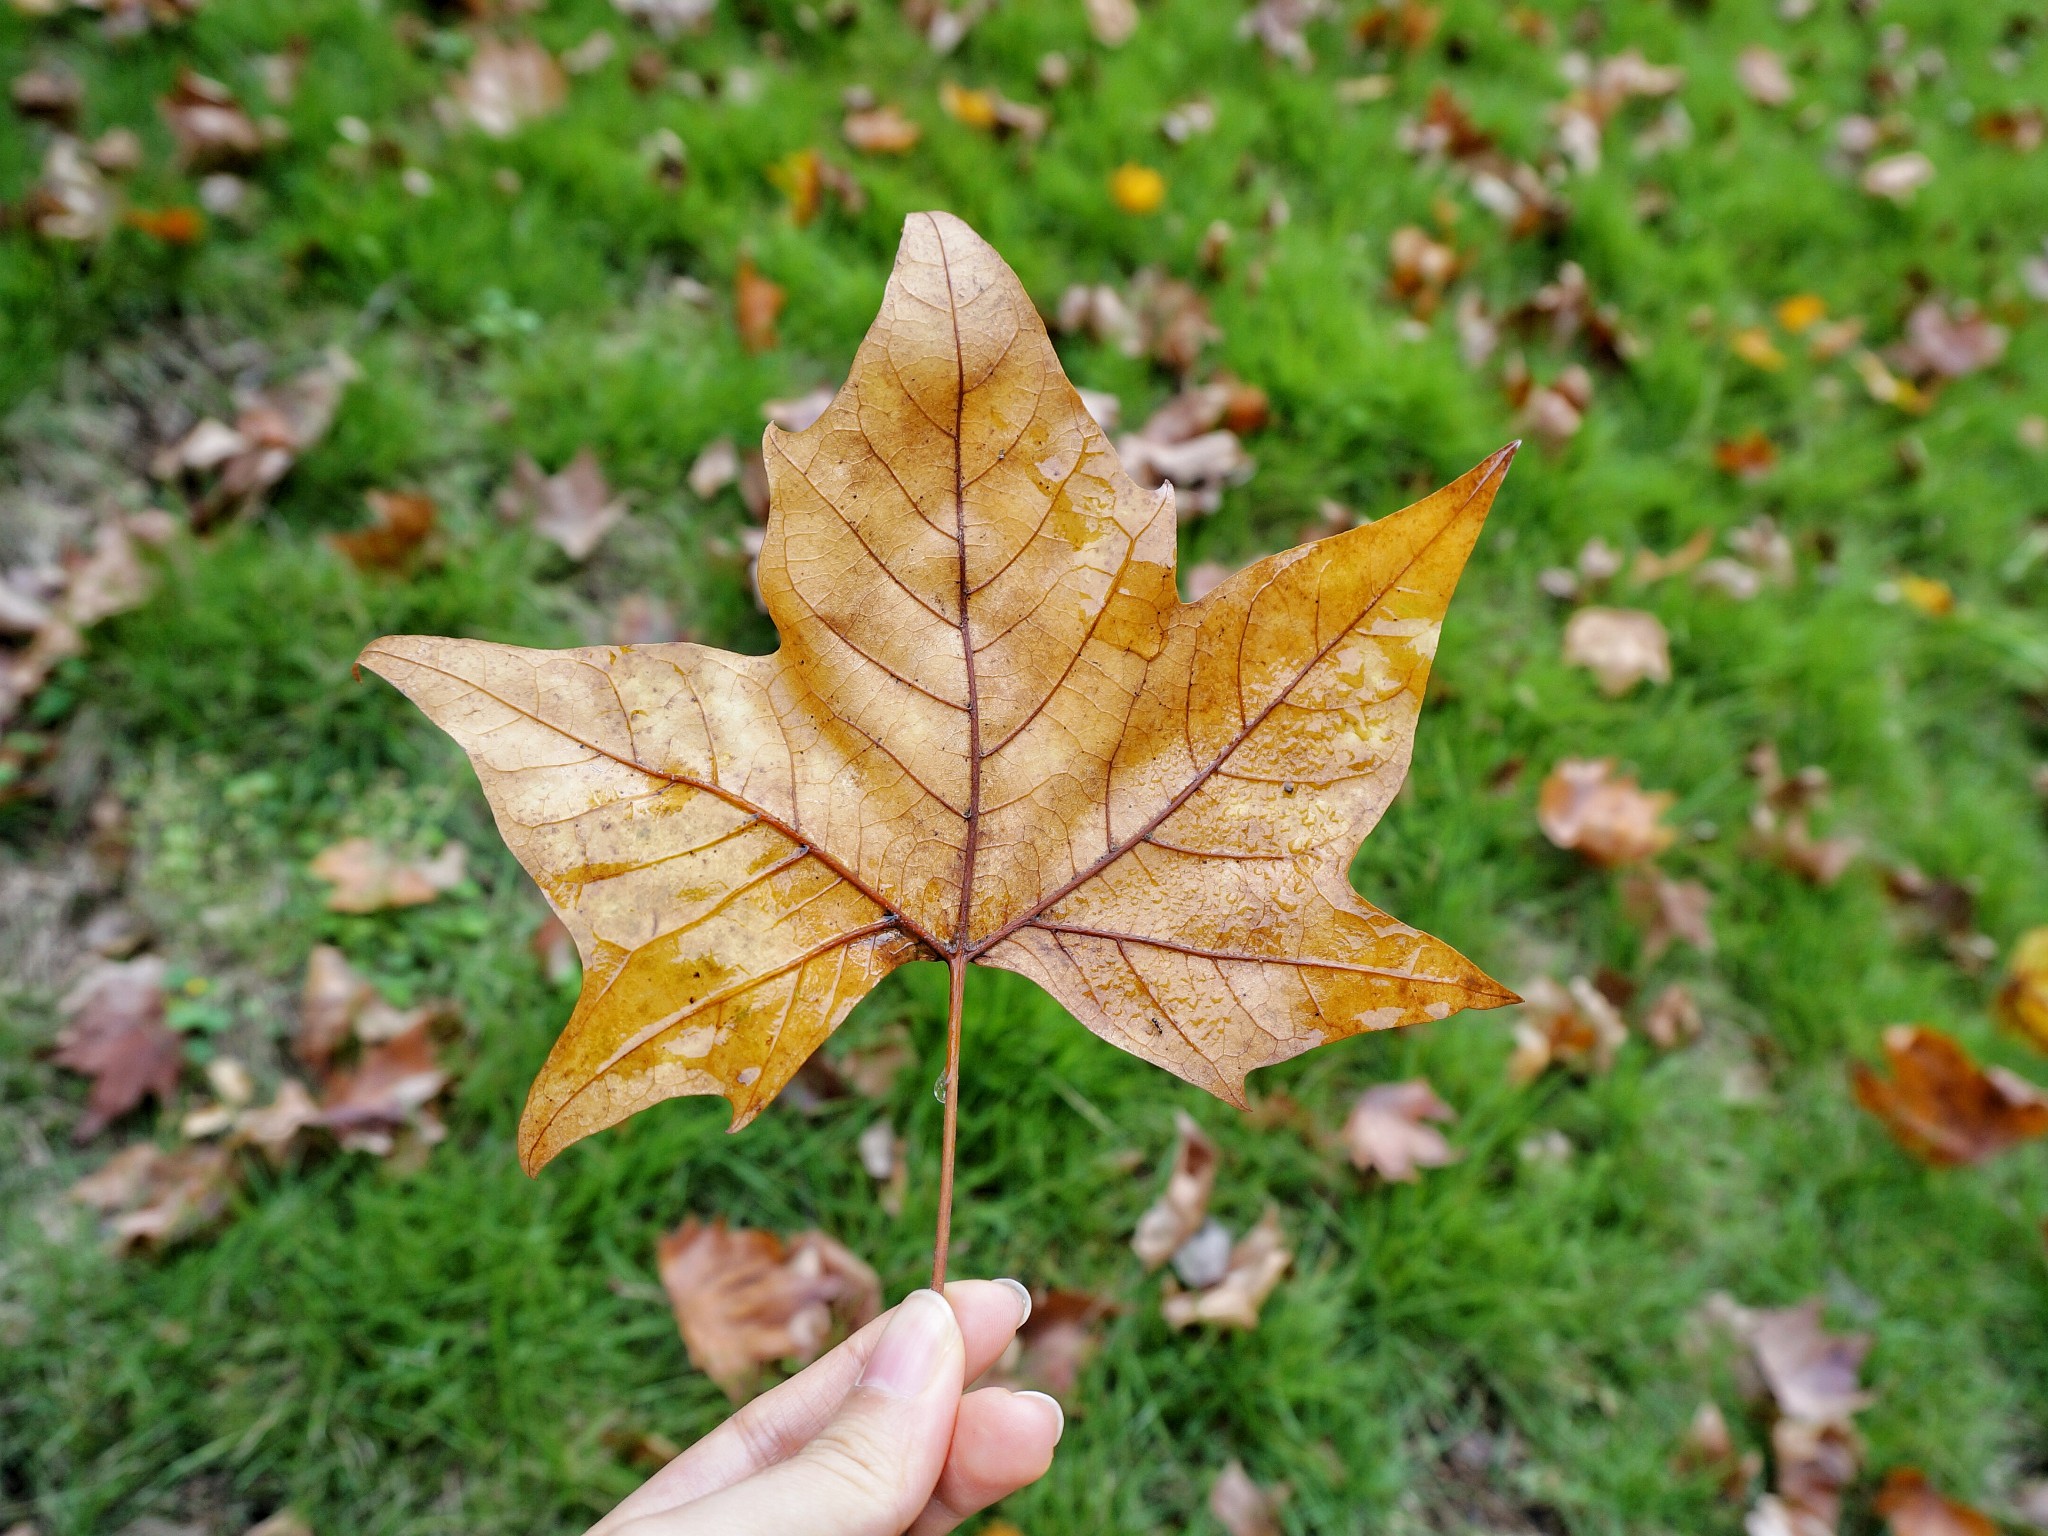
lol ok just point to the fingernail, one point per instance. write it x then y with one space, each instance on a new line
1023 1299
908 1353
1059 1414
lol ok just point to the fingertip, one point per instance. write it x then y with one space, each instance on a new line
1047 1404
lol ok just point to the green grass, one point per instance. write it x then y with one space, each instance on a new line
442 1350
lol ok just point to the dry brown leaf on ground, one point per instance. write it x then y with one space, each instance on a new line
274 1128
993 735
1763 76
1619 646
1896 178
508 84
1748 458
1667 909
1181 1209
573 508
882 130
1674 1019
1112 23
1243 1507
2022 1004
881 1155
1812 1374
369 876
1815 1461
115 1035
1388 1131
273 427
757 305
1709 1448
1941 1105
337 1005
1570 1026
286 1522
1912 1508
1055 1343
744 1298
1944 342
1610 819
212 131
385 1096
399 522
1254 1267
152 1198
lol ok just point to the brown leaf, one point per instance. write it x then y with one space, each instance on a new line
332 996
1815 1460
1619 646
1668 909
1941 1106
1243 1507
1180 1211
1709 1448
744 1298
1674 1018
154 1198
1947 343
573 509
115 1035
274 1128
212 131
1763 76
1112 22
51 95
367 876
1612 821
757 304
2022 1004
1388 1130
399 521
1813 1375
385 1094
887 786
1257 1261
1748 457
508 84
1057 1341
882 130
881 1155
1915 1509
1897 177
72 201
1569 1026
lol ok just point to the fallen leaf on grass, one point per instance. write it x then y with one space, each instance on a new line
1055 1343
858 573
154 1198
1257 1261
881 1155
1388 1131
1611 820
1570 1026
368 876
2022 1004
1943 910
1243 1507
1896 178
385 1096
1914 1509
211 129
509 84
1420 269
274 1128
1944 1108
1763 76
1185 444
744 1298
669 18
1928 595
115 1035
1112 23
1944 342
573 508
1668 909
72 201
757 305
1811 1374
400 520
717 465
1709 1448
273 427
177 225
1815 1463
286 1522
1674 1018
1748 457
337 1005
882 130
1619 646
1180 1211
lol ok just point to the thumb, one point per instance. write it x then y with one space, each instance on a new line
872 1468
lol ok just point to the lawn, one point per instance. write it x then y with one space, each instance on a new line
436 1343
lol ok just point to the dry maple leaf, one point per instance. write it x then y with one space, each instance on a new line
1914 1509
1388 1130
743 1298
993 735
1940 1105
116 1036
154 1198
387 1094
1611 820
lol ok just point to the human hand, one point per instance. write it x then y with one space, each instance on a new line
875 1439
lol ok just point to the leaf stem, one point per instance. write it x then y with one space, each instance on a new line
957 964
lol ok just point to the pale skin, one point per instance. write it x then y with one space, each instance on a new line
878 1438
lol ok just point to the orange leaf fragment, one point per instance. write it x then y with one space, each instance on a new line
1941 1106
1802 312
1915 1509
177 225
1748 457
744 1298
1611 820
993 734
757 305
400 520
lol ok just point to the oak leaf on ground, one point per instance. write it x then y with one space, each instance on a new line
1942 1106
1055 1343
993 735
744 1298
